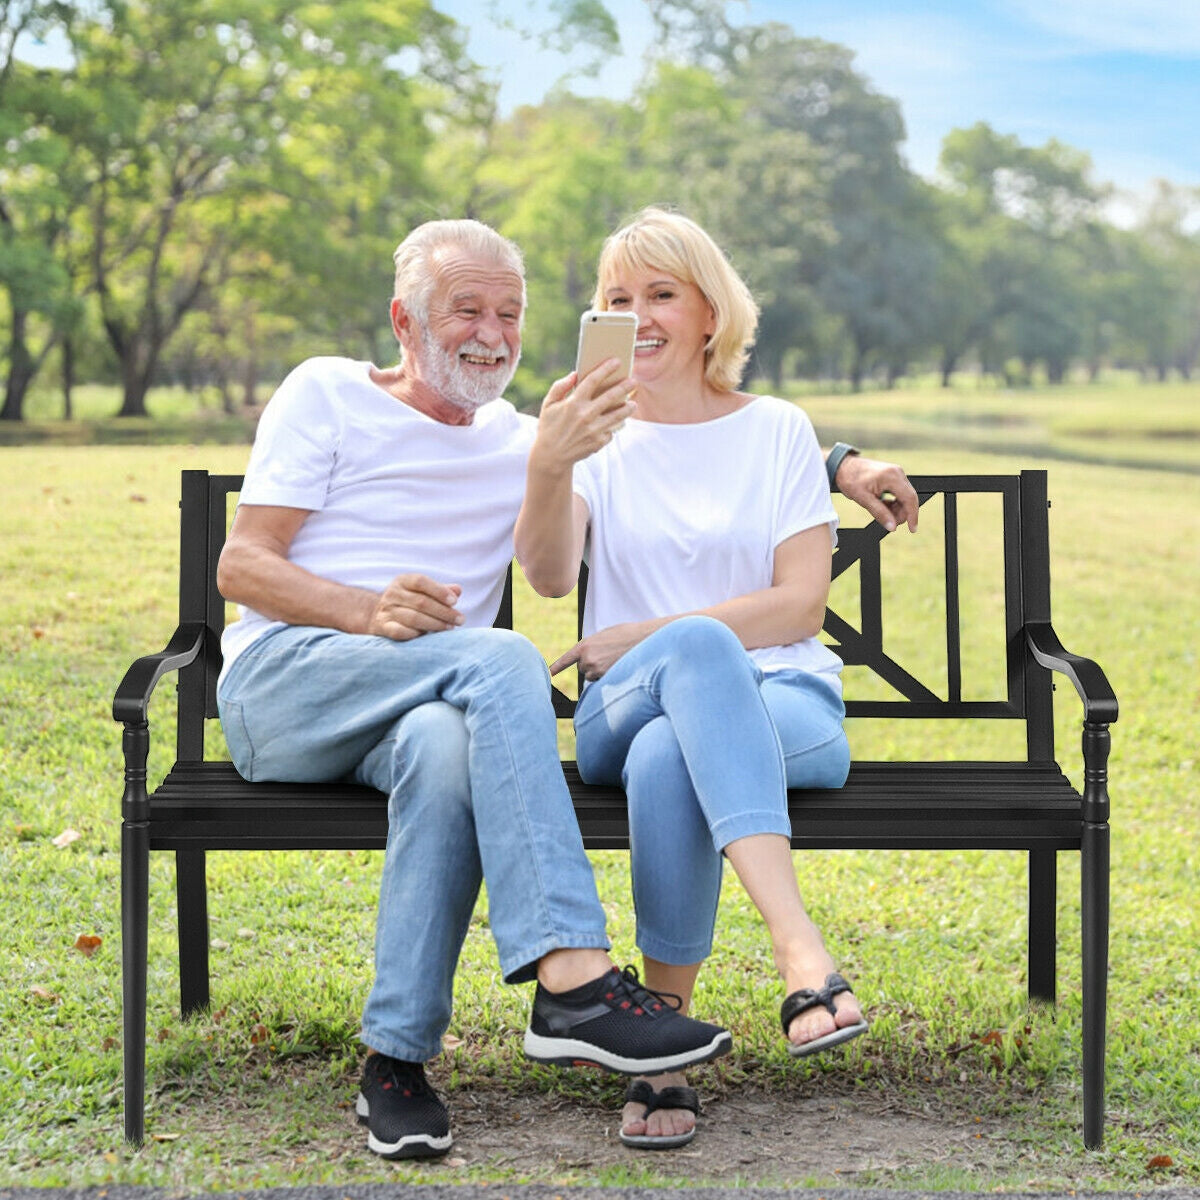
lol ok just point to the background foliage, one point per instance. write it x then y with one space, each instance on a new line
210 192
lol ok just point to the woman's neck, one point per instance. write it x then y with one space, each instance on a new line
675 404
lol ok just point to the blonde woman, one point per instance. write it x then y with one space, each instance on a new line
709 533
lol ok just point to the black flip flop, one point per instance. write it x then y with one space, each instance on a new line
640 1092
805 998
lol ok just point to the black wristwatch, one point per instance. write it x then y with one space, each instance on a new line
834 460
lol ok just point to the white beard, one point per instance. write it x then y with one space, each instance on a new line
458 383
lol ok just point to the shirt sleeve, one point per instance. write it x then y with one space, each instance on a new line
802 487
295 446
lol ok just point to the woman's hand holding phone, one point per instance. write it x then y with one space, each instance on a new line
580 416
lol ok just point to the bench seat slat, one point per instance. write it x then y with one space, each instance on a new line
943 805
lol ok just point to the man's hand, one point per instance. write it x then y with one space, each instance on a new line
881 488
415 604
598 651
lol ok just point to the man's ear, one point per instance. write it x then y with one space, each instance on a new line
401 321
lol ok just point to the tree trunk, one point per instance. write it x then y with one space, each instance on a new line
21 369
68 378
137 366
949 362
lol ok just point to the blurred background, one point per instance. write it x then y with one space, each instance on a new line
195 194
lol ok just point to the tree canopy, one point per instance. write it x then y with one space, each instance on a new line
212 191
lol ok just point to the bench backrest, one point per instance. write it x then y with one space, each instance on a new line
1018 558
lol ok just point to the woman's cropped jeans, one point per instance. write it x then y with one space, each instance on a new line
457 729
706 747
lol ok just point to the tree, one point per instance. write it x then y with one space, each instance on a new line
227 123
41 189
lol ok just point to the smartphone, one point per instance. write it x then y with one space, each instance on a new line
606 335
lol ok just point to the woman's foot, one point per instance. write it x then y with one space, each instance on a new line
648 1122
818 1015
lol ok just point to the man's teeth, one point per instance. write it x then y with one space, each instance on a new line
483 360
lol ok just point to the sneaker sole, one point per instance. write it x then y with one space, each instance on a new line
567 1052
415 1145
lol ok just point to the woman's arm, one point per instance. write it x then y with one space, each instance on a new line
790 610
552 525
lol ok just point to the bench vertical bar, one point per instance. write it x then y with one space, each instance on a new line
196 576
135 920
1033 528
1094 904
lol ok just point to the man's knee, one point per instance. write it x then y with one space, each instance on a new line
431 749
510 662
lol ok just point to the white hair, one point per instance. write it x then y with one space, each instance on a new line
414 258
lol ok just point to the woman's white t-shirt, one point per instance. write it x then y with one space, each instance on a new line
687 516
390 490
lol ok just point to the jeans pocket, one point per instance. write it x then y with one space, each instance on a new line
237 737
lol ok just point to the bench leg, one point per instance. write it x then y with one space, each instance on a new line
1095 909
1043 918
135 905
191 897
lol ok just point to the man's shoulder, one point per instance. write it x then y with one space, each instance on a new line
330 368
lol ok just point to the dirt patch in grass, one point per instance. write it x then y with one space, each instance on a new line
748 1136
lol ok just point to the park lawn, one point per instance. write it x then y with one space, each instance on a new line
935 942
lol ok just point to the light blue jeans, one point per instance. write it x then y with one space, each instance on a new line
458 730
706 747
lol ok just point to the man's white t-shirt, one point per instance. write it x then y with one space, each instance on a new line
390 490
686 516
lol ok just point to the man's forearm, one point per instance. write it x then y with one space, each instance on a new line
282 591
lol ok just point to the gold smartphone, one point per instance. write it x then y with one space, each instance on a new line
606 335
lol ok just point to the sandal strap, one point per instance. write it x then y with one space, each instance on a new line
803 999
677 1097
641 1092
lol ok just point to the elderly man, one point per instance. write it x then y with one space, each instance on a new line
367 557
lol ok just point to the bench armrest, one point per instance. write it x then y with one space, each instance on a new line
132 701
1099 700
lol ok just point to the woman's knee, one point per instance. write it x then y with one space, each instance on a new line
654 759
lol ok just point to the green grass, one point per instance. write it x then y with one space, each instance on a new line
935 942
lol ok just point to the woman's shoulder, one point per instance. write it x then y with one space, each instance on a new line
779 412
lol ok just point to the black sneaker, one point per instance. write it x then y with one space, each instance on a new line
616 1023
403 1115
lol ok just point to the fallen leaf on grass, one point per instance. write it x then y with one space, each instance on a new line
166 1137
66 838
450 1042
259 1034
137 498
87 944
163 1035
38 631
1160 1162
45 995
109 1043
24 833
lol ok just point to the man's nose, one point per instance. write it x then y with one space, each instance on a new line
489 330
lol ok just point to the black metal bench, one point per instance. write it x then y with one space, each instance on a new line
1027 804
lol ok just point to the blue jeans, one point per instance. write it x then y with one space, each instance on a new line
706 747
457 729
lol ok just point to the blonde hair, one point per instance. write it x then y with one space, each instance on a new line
414 258
671 242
